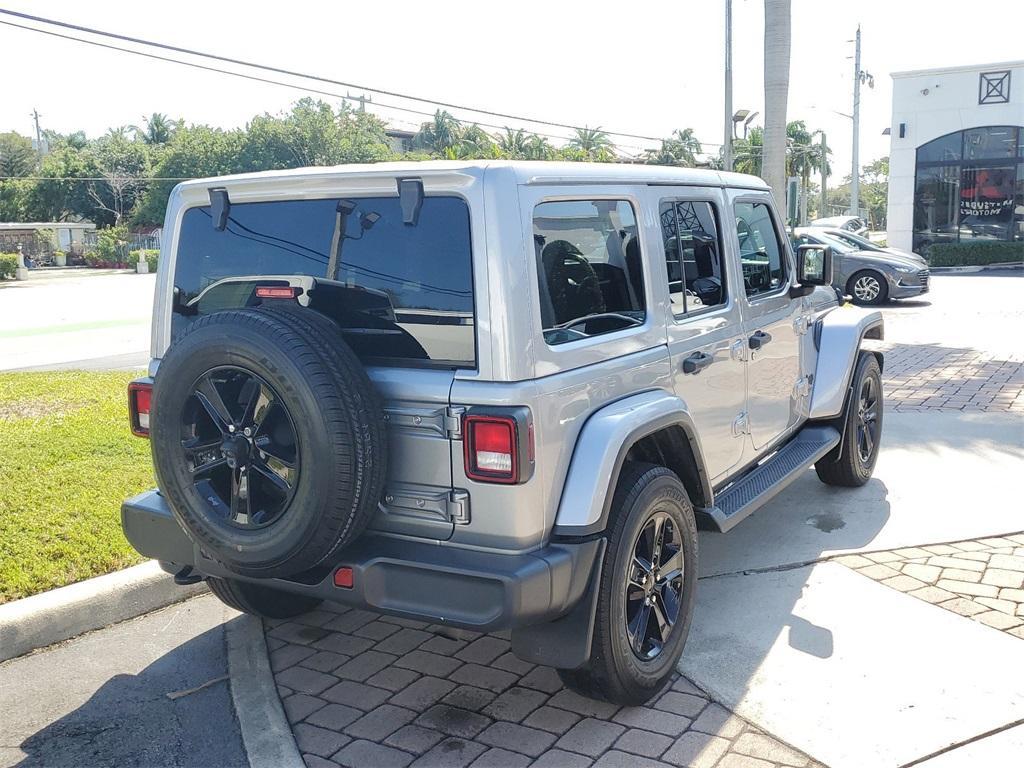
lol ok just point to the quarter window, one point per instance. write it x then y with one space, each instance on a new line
693 256
589 271
764 264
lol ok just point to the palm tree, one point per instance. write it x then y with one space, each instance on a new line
538 148
777 35
681 148
803 157
158 129
748 152
476 143
513 144
441 134
591 142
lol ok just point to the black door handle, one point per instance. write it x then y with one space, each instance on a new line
759 339
697 362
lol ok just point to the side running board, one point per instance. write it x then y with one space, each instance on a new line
762 483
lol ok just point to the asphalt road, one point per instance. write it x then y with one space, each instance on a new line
148 692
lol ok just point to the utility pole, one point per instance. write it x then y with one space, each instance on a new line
727 121
855 174
361 98
823 208
859 76
39 135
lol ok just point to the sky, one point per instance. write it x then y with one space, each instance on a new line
642 67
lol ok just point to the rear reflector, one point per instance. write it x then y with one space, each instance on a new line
140 403
491 449
272 292
343 577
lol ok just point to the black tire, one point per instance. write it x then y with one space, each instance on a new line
259 600
615 672
872 287
337 428
847 465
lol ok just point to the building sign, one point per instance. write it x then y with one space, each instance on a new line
994 87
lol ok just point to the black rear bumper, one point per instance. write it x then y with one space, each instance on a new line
465 588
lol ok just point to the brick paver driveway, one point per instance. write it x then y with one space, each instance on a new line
364 690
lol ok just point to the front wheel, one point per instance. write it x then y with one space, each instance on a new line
851 463
647 589
868 288
259 600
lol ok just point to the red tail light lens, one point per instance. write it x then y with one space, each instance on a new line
140 403
492 449
272 292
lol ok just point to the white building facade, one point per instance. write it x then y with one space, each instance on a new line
956 157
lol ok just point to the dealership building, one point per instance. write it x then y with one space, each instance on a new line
956 158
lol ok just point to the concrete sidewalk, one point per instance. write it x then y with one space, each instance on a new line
149 692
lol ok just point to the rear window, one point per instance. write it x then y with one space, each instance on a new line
401 293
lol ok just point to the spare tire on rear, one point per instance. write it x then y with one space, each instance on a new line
268 439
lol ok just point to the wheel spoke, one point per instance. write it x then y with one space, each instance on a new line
257 406
209 397
204 454
637 629
240 496
661 616
670 600
280 476
672 567
869 440
659 540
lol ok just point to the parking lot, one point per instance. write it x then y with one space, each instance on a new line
879 626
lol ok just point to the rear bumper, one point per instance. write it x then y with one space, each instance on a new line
465 588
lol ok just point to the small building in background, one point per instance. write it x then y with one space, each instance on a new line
32 236
956 158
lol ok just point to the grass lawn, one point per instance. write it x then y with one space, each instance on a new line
67 460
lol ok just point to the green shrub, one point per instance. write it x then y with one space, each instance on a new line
8 265
975 253
111 247
152 256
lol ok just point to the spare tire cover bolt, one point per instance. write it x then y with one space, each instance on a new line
231 427
247 432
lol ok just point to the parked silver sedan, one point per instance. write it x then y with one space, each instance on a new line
869 277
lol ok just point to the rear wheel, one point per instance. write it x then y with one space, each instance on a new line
260 600
647 589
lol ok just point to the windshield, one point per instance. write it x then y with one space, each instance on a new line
857 241
416 280
820 238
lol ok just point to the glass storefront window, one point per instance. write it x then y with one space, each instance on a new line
998 141
970 186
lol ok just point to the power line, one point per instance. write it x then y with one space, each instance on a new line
292 73
305 89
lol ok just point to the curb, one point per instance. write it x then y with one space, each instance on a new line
266 734
60 614
979 268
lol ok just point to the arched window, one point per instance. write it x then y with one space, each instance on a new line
970 186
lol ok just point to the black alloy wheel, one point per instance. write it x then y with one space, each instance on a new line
240 446
867 420
654 587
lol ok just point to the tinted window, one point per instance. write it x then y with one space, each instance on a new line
588 267
943 148
995 142
693 256
399 291
764 264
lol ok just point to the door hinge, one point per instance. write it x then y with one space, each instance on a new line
803 324
803 386
458 507
453 421
737 350
741 425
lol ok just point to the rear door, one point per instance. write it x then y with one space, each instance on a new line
771 318
705 333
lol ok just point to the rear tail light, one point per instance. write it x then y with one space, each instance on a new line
498 449
140 404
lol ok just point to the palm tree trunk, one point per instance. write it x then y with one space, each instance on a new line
776 94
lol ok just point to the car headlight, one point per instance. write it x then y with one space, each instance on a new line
906 270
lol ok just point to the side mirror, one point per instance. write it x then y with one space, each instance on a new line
814 265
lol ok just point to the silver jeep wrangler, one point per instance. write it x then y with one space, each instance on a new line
491 395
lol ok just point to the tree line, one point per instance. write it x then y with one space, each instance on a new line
125 176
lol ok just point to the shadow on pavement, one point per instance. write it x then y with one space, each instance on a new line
131 721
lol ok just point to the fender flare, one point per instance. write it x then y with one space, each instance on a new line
838 336
601 449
